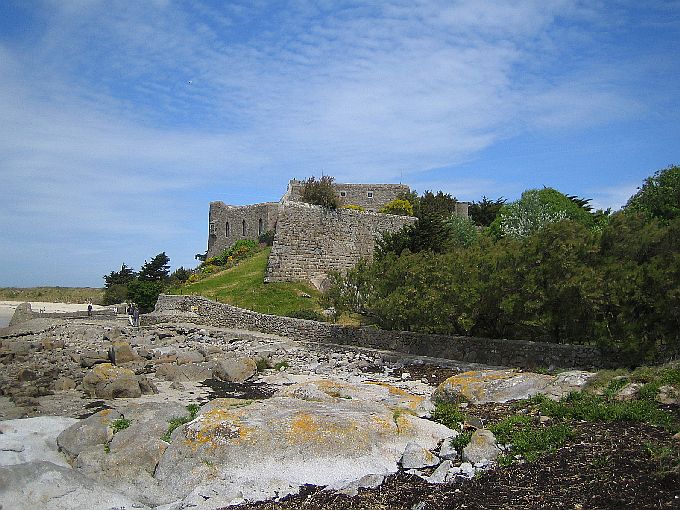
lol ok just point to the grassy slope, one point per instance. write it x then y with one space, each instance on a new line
53 294
243 286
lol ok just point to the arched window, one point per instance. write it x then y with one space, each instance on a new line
260 227
244 227
227 230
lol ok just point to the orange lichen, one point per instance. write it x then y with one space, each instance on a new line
217 427
408 399
469 384
306 428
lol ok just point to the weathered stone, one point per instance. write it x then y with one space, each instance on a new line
121 352
482 447
439 474
492 386
235 370
668 395
447 450
94 430
32 439
108 381
26 374
188 372
417 457
89 358
629 392
254 451
185 357
41 484
64 384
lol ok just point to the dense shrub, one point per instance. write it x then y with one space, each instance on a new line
266 238
320 192
399 207
353 207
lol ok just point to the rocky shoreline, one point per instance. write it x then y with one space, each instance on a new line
177 416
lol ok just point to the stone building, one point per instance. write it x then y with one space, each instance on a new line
310 240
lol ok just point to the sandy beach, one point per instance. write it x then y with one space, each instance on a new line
7 308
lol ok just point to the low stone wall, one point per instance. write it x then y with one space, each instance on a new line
24 313
513 353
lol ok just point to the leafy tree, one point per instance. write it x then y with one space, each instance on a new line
320 192
144 293
659 196
125 275
441 205
399 207
115 284
536 209
180 275
461 230
156 270
485 211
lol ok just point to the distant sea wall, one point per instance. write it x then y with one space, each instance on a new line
513 353
24 313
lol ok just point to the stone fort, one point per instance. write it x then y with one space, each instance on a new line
310 240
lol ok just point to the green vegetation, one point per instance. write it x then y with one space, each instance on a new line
548 269
528 439
243 286
178 421
449 415
353 207
53 294
120 424
399 207
320 192
140 288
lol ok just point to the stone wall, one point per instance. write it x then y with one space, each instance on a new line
228 224
512 353
311 240
371 197
24 313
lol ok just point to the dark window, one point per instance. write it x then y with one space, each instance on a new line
260 227
369 194
244 227
211 228
343 193
227 230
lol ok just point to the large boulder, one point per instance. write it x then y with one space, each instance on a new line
108 381
186 372
41 484
239 450
235 369
479 387
32 439
95 430
121 352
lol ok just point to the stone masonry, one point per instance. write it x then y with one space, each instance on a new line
513 353
309 240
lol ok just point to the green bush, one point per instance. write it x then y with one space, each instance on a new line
528 439
397 206
659 196
449 415
320 192
353 207
267 238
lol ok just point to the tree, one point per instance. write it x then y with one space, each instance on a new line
535 209
442 205
320 192
659 196
116 283
157 270
144 293
125 275
484 212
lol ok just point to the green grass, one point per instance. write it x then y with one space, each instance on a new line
243 286
527 439
53 294
178 421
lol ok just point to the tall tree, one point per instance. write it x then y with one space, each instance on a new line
125 275
485 211
156 270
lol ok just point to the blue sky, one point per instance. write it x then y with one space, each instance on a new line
108 154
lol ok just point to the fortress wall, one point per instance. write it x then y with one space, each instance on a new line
311 240
502 352
221 214
356 194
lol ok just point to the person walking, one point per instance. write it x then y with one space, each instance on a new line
89 309
135 316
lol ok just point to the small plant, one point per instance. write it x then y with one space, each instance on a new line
449 415
262 364
462 440
665 458
354 207
527 439
120 424
179 421
107 448
266 238
281 365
